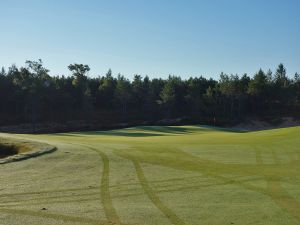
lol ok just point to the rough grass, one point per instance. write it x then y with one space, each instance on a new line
157 175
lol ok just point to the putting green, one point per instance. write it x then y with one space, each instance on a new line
157 176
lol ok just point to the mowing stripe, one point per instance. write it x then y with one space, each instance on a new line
276 192
47 202
41 199
46 192
154 198
110 211
48 215
275 157
283 199
258 157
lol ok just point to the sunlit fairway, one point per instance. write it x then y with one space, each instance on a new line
157 176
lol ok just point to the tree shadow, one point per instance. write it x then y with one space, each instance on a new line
120 133
151 131
224 129
166 129
187 129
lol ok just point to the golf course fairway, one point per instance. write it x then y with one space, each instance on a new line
153 175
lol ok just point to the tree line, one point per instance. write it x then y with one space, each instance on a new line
30 95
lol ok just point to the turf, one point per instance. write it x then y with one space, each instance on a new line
157 175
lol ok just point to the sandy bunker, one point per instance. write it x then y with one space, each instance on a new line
12 150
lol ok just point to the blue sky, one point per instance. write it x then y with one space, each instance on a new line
153 37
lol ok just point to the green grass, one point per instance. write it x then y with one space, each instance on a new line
157 176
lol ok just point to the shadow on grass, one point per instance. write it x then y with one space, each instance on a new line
167 129
230 130
123 133
151 131
186 129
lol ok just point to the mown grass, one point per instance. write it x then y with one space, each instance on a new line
157 175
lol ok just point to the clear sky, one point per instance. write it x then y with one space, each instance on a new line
153 37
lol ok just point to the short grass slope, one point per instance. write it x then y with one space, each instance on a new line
157 175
